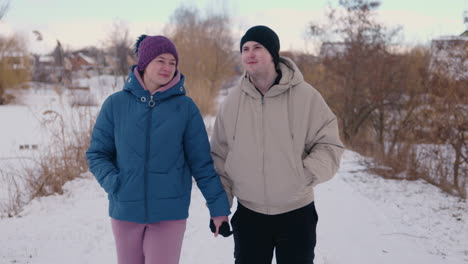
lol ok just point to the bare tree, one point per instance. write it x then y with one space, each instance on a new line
58 54
465 18
362 66
407 110
119 46
446 125
205 47
4 6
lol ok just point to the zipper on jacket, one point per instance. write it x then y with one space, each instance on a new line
263 153
151 105
261 94
262 102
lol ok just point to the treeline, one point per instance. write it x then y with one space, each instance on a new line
407 109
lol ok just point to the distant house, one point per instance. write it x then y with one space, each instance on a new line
80 61
449 56
15 70
44 69
46 61
16 60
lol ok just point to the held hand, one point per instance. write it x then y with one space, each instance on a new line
220 225
218 221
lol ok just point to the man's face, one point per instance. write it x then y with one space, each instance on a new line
256 59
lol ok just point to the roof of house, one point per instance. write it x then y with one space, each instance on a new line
87 58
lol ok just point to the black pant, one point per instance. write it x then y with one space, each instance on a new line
292 235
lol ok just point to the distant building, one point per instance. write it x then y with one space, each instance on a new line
80 61
15 70
449 56
16 60
46 61
45 70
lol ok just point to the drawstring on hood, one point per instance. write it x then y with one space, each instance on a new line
290 113
237 116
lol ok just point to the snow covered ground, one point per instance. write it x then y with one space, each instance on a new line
363 219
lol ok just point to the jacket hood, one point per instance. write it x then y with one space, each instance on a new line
291 76
133 86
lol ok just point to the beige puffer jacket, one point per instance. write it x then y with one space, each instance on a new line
271 151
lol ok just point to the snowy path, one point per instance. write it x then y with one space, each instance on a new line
354 227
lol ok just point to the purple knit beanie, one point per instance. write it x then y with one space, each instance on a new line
149 47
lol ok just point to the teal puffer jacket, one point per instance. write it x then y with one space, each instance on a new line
144 151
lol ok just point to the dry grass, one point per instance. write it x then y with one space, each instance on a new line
65 158
62 160
16 196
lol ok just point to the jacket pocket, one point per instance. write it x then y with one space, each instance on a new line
309 178
166 185
127 190
231 167
235 173
227 162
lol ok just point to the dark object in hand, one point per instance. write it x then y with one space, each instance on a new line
224 229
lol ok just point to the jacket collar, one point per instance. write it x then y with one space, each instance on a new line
291 76
133 86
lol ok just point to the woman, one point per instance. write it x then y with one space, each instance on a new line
148 140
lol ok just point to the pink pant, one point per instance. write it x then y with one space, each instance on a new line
155 243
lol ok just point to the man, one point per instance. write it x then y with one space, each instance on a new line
274 139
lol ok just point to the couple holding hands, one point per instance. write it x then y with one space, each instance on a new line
274 139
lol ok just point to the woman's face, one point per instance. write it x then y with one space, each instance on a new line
160 70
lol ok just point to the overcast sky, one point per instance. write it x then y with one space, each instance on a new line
81 23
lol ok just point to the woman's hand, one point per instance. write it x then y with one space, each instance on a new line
220 225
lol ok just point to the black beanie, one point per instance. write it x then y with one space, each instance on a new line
265 36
